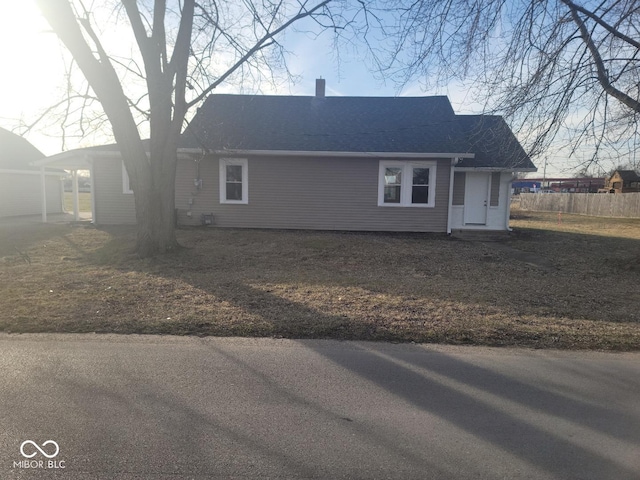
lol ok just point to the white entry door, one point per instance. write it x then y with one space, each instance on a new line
476 198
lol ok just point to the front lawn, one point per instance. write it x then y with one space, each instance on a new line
84 201
568 285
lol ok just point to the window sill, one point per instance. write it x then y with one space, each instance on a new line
399 205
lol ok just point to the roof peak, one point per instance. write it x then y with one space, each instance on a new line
16 151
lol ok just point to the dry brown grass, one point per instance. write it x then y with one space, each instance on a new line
84 201
549 285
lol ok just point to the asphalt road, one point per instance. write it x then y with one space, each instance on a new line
136 407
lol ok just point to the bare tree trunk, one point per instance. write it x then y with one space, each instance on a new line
152 173
156 231
152 179
155 207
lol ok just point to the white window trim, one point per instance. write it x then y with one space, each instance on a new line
407 182
126 184
224 162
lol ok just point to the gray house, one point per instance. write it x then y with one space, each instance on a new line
330 163
20 183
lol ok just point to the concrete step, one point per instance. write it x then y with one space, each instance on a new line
481 235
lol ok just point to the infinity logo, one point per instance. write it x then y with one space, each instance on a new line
39 449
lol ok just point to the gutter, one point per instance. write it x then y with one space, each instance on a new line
274 153
309 153
495 169
71 160
34 172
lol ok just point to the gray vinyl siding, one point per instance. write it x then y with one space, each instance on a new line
308 193
495 189
459 179
20 194
202 199
113 207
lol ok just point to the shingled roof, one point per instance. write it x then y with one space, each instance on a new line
628 176
493 143
352 124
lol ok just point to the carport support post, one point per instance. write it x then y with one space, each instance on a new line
43 192
76 203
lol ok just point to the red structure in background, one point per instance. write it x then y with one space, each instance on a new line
568 185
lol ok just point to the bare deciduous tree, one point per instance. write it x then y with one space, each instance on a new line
557 69
560 70
186 48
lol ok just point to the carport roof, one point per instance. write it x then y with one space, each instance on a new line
77 159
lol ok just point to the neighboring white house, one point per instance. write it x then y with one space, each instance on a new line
329 163
21 183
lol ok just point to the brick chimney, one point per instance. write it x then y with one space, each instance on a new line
320 84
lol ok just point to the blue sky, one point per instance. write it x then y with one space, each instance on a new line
34 54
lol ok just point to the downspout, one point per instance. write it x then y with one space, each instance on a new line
454 162
43 193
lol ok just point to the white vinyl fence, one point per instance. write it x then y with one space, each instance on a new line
595 204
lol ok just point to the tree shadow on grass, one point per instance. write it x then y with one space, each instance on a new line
24 237
489 280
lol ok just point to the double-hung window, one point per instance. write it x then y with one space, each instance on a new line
406 184
234 180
